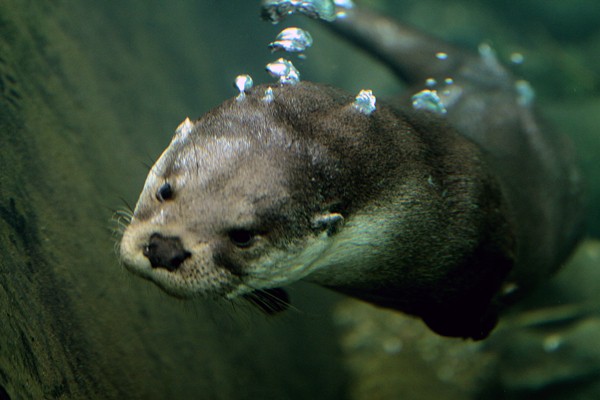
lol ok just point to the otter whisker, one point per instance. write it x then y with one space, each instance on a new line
270 301
127 205
146 165
120 220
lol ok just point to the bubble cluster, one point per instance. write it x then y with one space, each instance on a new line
428 100
432 82
297 40
277 10
291 40
328 10
365 102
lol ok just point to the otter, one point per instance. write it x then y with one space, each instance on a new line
445 217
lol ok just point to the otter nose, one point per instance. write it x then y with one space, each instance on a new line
165 252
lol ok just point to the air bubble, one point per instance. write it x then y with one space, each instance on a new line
293 40
365 102
428 100
347 4
488 55
269 96
285 71
243 84
525 93
342 7
552 343
517 58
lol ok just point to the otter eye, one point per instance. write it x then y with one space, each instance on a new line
165 192
241 237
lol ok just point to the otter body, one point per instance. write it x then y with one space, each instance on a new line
445 218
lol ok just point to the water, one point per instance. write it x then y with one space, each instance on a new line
91 92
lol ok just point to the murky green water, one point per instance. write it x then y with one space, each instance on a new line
92 91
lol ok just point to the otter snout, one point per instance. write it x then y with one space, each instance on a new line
165 252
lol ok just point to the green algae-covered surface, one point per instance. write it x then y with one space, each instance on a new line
90 93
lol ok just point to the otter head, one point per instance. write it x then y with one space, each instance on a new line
237 204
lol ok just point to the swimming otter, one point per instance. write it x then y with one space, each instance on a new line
445 218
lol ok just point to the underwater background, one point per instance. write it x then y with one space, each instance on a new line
91 91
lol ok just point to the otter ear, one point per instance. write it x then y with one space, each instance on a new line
330 222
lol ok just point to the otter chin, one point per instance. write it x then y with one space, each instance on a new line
447 218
